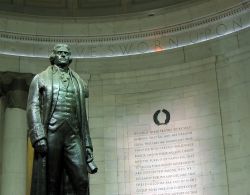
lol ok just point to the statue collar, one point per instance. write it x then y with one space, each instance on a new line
55 69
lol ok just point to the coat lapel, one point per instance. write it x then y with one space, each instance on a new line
77 93
46 77
80 98
55 90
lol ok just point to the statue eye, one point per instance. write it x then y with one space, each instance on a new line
63 52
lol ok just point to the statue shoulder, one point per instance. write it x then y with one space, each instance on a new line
46 73
83 83
41 78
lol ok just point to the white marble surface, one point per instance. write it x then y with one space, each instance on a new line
188 91
2 109
14 152
234 88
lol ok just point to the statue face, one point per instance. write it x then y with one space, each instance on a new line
62 57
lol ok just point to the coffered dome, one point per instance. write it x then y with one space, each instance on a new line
79 8
112 28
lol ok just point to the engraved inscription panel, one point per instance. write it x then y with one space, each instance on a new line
164 161
183 157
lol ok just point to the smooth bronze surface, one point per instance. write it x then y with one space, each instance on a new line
58 129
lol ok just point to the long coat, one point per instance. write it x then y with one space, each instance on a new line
40 108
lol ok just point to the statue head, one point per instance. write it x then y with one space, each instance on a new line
61 55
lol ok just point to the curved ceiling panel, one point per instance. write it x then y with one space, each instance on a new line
132 43
83 8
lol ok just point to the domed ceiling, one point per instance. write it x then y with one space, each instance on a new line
81 8
110 28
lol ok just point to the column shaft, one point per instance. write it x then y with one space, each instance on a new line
14 152
2 108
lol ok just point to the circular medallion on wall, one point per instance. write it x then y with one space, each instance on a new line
156 114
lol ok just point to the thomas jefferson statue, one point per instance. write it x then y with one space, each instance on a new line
58 129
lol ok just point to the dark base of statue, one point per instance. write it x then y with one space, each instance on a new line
65 154
39 184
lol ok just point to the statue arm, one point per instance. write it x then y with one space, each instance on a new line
88 141
91 166
34 104
87 137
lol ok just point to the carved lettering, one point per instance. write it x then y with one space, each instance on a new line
142 46
237 24
126 48
208 33
221 29
173 42
93 51
157 45
194 37
111 49
81 50
165 161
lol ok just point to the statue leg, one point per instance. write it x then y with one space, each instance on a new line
75 163
54 162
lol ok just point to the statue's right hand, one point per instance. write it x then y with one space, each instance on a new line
41 147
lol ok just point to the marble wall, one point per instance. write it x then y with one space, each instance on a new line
205 88
234 88
121 120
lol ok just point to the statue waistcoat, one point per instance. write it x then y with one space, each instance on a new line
65 103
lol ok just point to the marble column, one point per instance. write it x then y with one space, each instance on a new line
2 110
14 86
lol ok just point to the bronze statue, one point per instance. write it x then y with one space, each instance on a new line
58 129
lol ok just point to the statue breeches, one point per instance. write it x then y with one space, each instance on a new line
66 153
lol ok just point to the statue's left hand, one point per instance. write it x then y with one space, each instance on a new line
91 166
89 155
41 147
